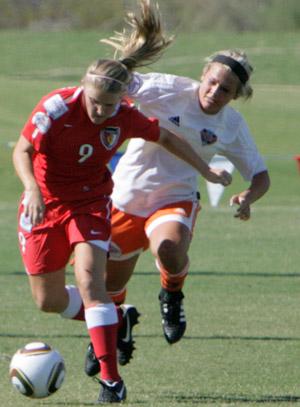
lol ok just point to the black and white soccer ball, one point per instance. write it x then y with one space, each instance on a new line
37 370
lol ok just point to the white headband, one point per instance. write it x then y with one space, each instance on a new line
96 75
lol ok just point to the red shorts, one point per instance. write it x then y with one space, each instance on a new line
47 247
130 233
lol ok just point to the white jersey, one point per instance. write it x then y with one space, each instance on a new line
147 176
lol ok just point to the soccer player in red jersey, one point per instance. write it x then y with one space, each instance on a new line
61 158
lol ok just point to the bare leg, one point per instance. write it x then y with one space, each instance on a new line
169 243
49 292
90 264
119 273
100 313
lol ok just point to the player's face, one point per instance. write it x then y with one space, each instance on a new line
218 87
100 105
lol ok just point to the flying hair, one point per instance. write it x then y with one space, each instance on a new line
140 45
145 42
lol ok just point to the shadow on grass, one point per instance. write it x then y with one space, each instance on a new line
191 274
69 403
185 338
228 337
224 274
196 399
255 274
244 338
199 399
41 336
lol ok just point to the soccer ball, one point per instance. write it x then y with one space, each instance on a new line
37 370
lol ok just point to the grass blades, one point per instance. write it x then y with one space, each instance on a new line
242 344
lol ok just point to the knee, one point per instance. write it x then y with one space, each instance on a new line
171 256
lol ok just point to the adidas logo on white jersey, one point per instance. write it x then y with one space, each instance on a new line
175 120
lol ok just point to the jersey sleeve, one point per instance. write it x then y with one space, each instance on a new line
40 121
151 88
144 127
243 153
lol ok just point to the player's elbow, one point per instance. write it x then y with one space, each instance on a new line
262 181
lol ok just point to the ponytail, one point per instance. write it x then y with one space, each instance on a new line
140 46
145 43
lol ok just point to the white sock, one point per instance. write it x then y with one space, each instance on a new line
75 302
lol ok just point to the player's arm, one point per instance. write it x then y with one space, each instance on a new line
33 201
259 186
184 151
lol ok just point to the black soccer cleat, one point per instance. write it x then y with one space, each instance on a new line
125 344
173 317
92 364
111 392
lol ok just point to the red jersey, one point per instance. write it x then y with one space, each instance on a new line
72 153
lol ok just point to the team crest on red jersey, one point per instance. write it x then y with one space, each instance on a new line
110 136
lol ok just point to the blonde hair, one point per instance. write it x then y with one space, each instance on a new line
142 45
244 89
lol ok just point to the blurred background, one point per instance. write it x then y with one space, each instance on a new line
188 16
242 344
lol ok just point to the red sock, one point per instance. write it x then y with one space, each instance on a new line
102 325
104 340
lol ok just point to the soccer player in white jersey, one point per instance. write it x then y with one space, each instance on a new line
155 196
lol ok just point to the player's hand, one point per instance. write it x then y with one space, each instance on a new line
243 212
218 176
34 207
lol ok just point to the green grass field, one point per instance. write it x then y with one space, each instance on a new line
242 344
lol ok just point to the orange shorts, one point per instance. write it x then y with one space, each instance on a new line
130 233
47 247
